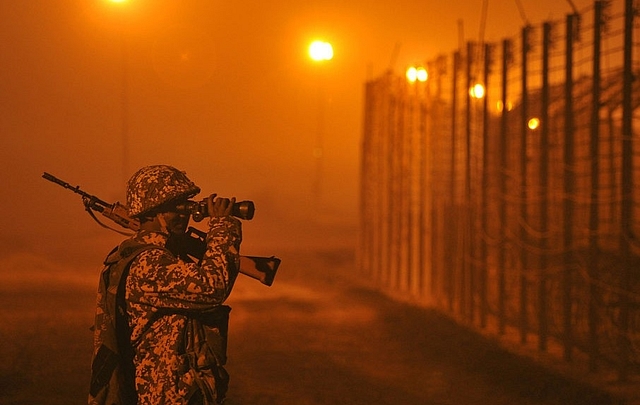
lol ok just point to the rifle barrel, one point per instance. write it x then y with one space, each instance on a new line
56 180
92 198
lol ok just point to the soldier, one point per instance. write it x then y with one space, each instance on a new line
169 338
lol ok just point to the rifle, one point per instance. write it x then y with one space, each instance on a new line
191 246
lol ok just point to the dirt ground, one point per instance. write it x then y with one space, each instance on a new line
312 338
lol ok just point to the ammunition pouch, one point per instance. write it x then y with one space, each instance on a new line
206 354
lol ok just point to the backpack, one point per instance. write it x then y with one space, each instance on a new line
112 368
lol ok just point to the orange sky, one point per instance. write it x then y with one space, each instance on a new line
223 90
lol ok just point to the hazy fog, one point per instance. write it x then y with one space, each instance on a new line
90 91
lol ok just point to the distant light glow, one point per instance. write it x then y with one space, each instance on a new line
417 74
477 91
534 123
118 1
320 50
500 106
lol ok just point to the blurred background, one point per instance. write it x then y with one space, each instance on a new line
92 90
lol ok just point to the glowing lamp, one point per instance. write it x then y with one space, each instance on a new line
320 50
477 91
533 123
418 74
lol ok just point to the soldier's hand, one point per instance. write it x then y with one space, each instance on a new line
220 207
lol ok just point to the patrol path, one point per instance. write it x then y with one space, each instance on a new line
314 339
310 339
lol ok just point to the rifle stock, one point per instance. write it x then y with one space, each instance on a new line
260 268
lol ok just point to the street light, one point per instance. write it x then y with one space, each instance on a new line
533 123
477 91
320 50
417 74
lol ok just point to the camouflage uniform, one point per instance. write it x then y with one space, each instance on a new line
177 324
161 291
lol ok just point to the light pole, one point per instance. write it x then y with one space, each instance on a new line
124 97
413 182
319 51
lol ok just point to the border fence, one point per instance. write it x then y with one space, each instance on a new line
502 190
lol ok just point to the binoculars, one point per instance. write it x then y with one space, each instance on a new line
199 210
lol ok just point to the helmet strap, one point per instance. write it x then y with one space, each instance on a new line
163 224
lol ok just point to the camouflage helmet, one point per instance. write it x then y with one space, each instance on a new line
153 186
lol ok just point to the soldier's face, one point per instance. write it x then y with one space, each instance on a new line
177 223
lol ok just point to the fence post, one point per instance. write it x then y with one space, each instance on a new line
452 230
627 187
438 213
484 214
524 118
569 180
594 151
387 266
502 315
544 190
466 279
365 236
397 185
422 198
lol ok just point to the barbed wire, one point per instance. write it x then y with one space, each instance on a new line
529 212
